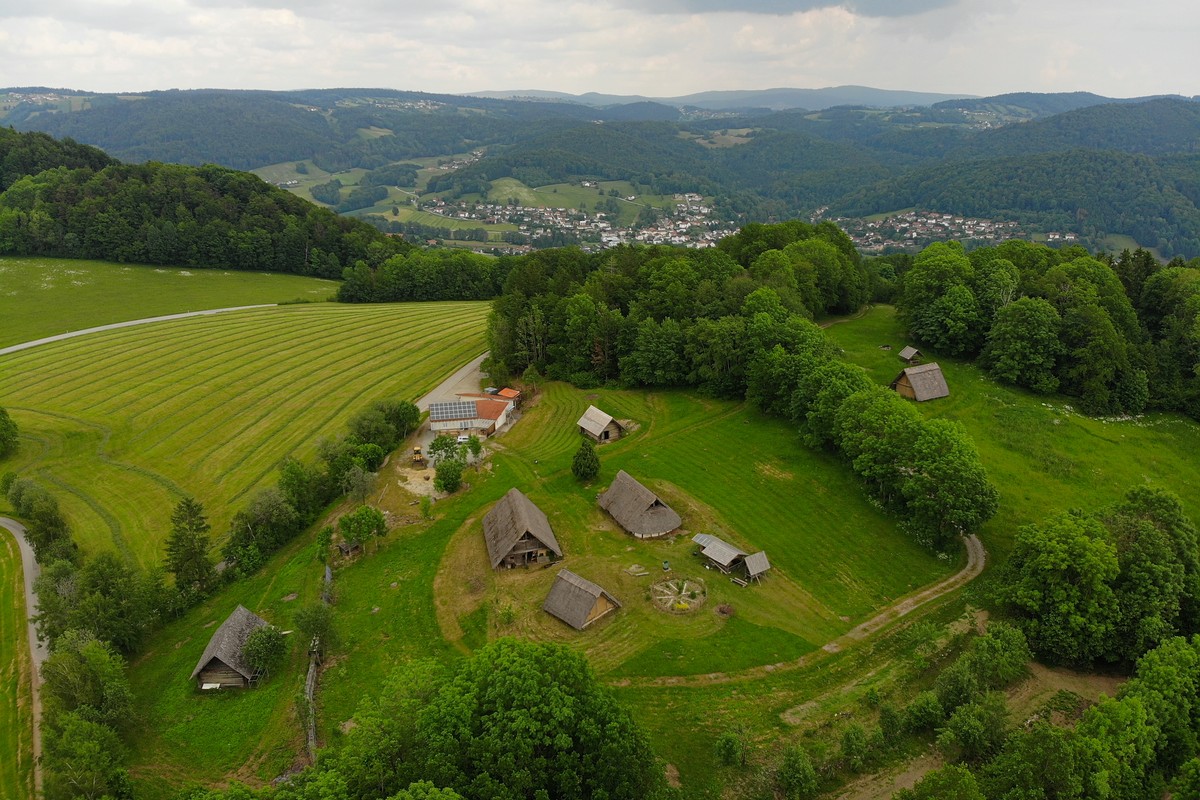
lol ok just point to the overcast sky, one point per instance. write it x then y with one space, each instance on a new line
657 48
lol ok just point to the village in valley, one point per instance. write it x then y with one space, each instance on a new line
913 230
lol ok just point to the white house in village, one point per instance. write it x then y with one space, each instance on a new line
478 415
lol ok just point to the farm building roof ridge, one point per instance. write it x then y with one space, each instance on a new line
637 509
512 517
927 381
228 640
718 550
572 599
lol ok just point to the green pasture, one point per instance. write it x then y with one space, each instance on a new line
16 722
427 592
45 296
1042 455
120 424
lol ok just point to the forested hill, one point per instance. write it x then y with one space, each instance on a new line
1036 104
1093 192
87 206
29 153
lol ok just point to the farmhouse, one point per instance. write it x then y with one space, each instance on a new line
517 533
910 355
222 665
577 601
719 553
599 426
922 383
483 415
511 395
637 509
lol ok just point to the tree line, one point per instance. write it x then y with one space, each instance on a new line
1117 333
735 322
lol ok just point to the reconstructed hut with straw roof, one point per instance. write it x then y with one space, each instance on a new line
222 666
601 427
577 601
922 383
910 355
637 509
518 533
719 553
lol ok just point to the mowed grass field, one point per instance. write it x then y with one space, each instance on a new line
121 424
42 297
1043 457
16 742
427 591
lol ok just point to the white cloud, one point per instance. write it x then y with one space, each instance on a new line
660 48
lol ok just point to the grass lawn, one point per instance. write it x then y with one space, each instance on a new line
16 740
45 296
1042 455
427 592
121 424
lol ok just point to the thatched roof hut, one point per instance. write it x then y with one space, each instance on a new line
222 665
637 509
518 533
922 383
910 355
719 553
601 427
577 601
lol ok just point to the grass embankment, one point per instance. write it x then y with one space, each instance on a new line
1043 456
427 590
46 296
16 723
120 424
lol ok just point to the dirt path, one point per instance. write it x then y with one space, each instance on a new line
37 651
465 379
976 559
128 324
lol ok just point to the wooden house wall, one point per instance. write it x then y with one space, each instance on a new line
217 671
603 606
904 388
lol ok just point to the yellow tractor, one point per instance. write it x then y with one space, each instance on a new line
418 458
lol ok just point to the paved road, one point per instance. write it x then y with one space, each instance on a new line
128 324
37 650
465 380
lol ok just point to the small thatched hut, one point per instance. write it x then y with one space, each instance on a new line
517 532
222 665
577 601
601 427
910 355
922 383
756 565
637 509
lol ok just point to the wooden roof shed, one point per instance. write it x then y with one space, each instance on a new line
601 427
719 553
922 383
517 533
577 601
222 666
756 565
637 509
910 355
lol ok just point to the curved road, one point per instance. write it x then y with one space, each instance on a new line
127 324
37 650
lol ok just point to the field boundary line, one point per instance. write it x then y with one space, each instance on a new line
38 653
112 326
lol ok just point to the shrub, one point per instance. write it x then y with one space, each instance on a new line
586 464
448 476
731 748
796 777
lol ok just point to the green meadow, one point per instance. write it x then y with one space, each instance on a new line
46 296
16 742
121 424
1042 455
427 591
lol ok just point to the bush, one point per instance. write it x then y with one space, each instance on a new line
264 648
855 748
796 777
731 749
923 713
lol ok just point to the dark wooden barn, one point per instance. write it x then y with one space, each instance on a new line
517 533
599 426
637 509
222 665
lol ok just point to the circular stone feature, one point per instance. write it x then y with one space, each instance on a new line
678 595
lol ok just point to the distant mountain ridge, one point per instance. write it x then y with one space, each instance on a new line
778 99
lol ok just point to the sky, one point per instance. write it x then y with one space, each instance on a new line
654 48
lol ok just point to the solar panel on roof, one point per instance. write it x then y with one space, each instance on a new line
454 409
